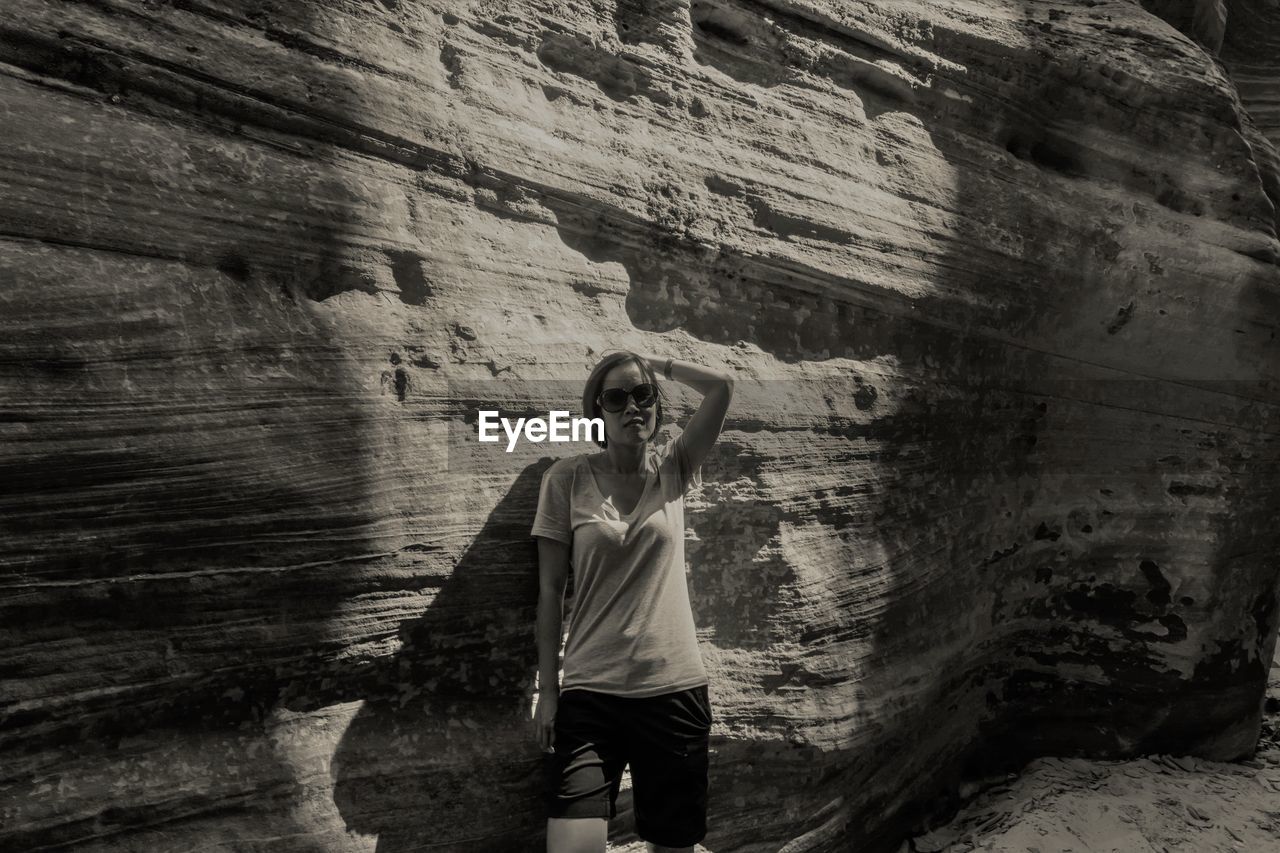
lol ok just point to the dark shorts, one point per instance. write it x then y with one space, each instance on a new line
664 739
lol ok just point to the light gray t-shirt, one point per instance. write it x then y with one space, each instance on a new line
631 629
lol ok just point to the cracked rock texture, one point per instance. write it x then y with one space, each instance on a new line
999 281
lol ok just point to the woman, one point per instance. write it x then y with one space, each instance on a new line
635 690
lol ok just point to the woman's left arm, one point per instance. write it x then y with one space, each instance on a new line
716 389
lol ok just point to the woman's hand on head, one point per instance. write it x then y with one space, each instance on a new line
544 719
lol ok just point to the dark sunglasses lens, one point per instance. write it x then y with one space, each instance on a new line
614 400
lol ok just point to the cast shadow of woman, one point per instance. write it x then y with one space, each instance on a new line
442 753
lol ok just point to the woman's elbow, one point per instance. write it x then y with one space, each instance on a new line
552 579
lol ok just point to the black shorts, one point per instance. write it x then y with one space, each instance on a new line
664 739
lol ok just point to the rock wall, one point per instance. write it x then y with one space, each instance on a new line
1251 52
999 281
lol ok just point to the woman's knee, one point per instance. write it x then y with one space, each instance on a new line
577 834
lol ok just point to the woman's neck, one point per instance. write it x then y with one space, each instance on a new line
624 459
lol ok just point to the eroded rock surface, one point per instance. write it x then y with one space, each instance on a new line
998 280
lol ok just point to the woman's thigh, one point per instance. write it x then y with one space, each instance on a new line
668 744
584 772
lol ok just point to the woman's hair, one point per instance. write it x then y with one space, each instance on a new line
591 409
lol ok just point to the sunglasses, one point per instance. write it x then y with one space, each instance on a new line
615 399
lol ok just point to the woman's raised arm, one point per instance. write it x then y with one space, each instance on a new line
716 389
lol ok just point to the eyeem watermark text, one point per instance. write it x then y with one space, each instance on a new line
538 430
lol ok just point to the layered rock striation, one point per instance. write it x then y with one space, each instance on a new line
998 281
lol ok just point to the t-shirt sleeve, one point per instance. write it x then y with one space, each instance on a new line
552 519
686 473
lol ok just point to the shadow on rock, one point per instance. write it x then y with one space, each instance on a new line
442 753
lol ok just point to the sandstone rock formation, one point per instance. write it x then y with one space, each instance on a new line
999 281
1178 803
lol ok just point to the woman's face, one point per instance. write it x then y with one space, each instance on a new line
633 425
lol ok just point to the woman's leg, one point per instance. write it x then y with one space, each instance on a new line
670 766
584 773
576 834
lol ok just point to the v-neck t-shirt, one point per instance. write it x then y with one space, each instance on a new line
631 630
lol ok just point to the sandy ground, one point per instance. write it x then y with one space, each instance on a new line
1159 803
